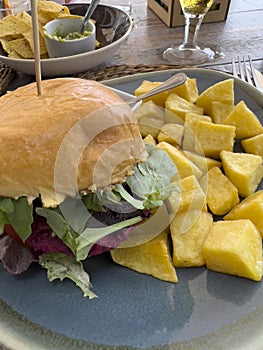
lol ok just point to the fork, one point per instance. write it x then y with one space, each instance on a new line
244 69
175 80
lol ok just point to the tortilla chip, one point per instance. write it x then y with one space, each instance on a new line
45 17
13 37
14 54
25 17
52 7
22 47
12 25
6 46
29 37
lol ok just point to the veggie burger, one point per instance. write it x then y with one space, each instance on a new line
76 178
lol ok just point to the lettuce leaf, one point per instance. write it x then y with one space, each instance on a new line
80 242
93 202
62 266
86 240
128 198
59 226
18 213
6 205
151 180
147 188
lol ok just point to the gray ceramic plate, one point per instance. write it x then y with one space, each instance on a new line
205 310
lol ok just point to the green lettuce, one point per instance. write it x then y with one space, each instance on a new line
62 266
90 236
147 188
151 181
18 213
80 242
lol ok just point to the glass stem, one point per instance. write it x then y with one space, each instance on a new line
192 26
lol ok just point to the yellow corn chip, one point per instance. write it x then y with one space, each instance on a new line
14 54
25 17
22 47
29 37
45 17
12 37
8 49
12 25
50 6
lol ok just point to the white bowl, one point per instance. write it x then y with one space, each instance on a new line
112 28
58 47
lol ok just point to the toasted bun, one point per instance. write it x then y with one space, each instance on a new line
78 135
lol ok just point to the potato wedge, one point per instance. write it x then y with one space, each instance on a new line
250 208
152 258
222 195
222 91
254 145
245 121
188 245
235 248
244 170
214 138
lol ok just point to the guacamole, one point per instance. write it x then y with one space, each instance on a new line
57 35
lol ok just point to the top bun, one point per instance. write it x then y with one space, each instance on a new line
78 135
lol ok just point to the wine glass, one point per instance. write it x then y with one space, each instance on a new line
188 52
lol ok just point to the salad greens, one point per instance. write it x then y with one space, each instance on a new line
63 266
147 188
18 213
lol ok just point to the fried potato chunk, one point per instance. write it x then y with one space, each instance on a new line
250 208
223 91
152 258
235 248
188 244
244 170
222 195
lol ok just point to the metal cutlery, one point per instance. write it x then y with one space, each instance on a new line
244 69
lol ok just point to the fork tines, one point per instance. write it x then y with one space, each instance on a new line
244 69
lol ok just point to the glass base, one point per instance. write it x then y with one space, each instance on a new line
192 57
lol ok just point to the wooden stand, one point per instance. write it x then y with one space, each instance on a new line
171 14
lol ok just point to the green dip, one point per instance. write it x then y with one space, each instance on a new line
57 35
